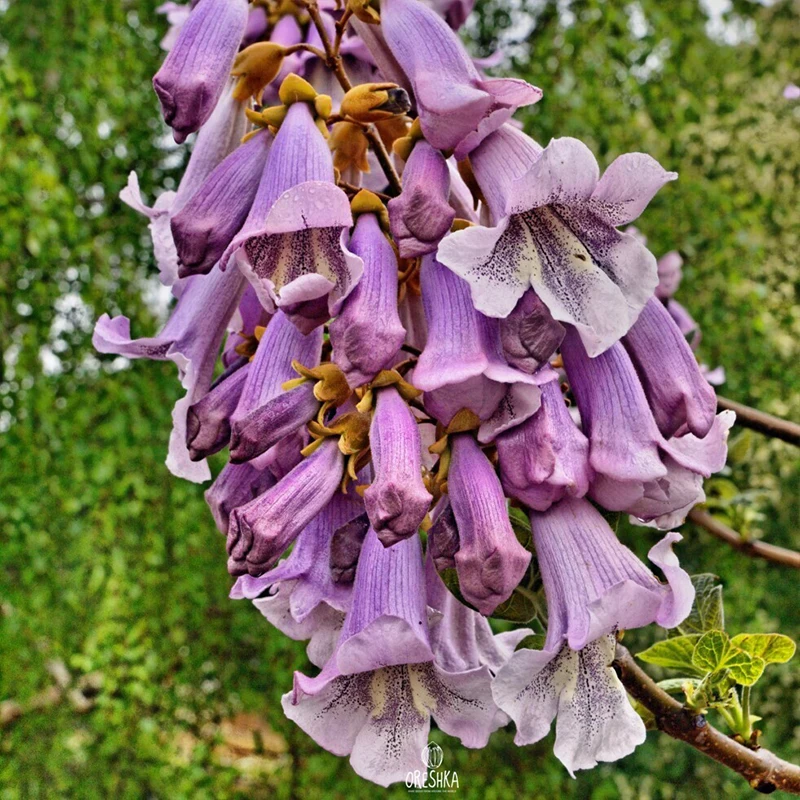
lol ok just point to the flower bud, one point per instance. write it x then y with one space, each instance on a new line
256 67
295 89
349 146
373 102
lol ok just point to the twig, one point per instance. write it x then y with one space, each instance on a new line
762 422
763 770
754 548
334 62
308 48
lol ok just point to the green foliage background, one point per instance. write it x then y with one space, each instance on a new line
110 565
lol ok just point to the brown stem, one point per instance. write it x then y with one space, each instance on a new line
763 770
334 62
762 422
341 27
309 48
754 548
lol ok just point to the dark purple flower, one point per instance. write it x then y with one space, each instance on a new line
196 70
367 334
490 561
397 500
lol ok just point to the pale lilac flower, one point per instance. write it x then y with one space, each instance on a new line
421 215
635 468
397 500
205 226
191 339
176 14
298 595
679 396
546 457
367 335
462 365
291 246
490 561
558 234
457 107
594 586
791 92
376 695
197 68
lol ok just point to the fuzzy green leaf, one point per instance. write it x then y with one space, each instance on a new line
744 668
675 653
533 642
711 650
707 612
773 648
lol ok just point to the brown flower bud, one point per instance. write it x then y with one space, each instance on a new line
256 67
373 102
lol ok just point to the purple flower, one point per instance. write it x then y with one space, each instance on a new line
557 233
546 457
529 334
266 414
594 586
679 395
457 107
791 92
261 530
194 74
490 561
298 594
235 486
374 698
462 365
208 421
204 227
367 334
216 139
636 469
421 215
397 500
291 246
191 338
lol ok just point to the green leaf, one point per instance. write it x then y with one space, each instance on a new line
773 648
533 642
711 650
707 612
744 668
521 526
520 607
675 653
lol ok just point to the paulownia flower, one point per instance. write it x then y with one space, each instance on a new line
191 339
558 234
376 695
291 246
635 468
457 107
594 586
397 500
194 74
490 561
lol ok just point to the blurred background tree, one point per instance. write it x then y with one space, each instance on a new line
112 575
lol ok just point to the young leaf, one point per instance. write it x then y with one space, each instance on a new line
521 526
707 613
675 685
520 607
773 648
675 653
711 650
744 668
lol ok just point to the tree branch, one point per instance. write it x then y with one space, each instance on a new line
334 61
763 770
762 422
753 548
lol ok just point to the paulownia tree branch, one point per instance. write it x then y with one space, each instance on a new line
753 548
762 422
762 769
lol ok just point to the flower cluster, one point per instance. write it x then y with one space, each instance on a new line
429 326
